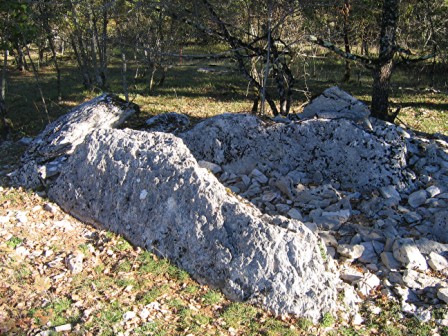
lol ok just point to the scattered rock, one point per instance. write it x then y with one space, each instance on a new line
390 262
437 262
350 251
440 227
129 315
442 294
405 251
64 327
417 198
74 262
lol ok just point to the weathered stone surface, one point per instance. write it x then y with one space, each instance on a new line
442 294
335 103
148 187
338 149
437 262
405 251
417 198
47 153
390 262
440 228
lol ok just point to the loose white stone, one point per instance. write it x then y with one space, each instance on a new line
143 194
129 315
4 219
64 327
144 313
417 198
21 217
357 319
295 214
350 251
74 262
50 208
442 294
433 191
405 251
437 262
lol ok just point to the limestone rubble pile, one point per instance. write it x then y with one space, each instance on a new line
375 196
148 187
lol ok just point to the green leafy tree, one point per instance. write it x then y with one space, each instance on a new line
16 28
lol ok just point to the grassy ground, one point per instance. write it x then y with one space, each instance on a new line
200 94
123 289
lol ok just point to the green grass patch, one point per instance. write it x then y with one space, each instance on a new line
238 315
153 294
14 242
212 297
327 320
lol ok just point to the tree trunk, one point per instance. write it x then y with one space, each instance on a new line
123 75
346 12
55 60
39 87
5 128
380 93
385 64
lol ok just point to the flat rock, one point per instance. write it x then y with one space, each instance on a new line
417 198
437 262
442 294
335 103
188 217
405 251
440 227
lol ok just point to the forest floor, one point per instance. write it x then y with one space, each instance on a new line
119 289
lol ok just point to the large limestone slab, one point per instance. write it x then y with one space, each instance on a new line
149 187
335 103
338 149
49 150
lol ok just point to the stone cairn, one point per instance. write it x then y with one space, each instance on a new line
284 213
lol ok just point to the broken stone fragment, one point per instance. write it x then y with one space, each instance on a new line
417 198
74 262
437 262
442 294
350 251
405 251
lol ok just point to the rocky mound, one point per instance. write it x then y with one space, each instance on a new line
149 187
374 193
